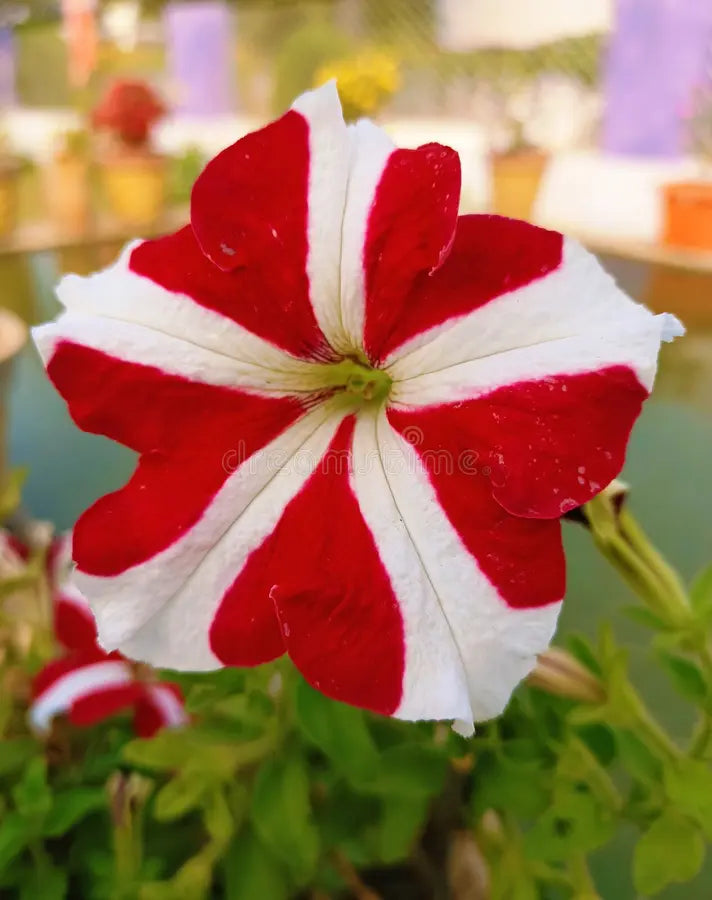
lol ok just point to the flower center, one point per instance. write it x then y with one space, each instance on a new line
358 380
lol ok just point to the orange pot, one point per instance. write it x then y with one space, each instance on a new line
688 215
135 188
8 200
516 178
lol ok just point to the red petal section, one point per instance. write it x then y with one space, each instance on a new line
538 448
339 617
490 256
409 233
74 627
103 704
249 215
268 297
522 558
63 666
183 431
149 718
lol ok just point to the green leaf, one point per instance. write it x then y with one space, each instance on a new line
47 882
180 795
701 594
643 616
281 815
252 872
409 770
14 753
518 789
642 764
14 835
338 730
70 807
191 882
575 823
671 850
32 796
688 784
685 676
219 822
402 820
167 750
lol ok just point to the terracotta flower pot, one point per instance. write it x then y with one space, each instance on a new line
135 188
515 182
8 198
68 193
688 215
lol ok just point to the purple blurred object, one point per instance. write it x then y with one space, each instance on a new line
656 60
200 65
7 68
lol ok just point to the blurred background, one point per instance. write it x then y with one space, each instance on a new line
592 117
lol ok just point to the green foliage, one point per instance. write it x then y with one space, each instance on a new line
672 849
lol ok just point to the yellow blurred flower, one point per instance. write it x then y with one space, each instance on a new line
365 81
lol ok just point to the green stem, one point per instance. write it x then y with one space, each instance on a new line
640 542
581 879
702 737
657 738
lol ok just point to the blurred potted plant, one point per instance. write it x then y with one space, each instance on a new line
687 205
133 174
67 184
10 168
365 82
517 162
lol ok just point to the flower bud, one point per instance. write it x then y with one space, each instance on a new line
558 672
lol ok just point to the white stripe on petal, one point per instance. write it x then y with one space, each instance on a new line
141 345
328 175
168 706
59 696
498 644
435 684
574 319
119 294
370 150
636 349
161 611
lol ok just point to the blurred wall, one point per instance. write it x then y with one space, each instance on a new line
7 68
656 59
199 46
519 23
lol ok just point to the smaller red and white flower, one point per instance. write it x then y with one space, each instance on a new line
86 683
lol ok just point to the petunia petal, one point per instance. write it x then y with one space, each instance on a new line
399 224
164 301
74 626
339 617
89 686
278 236
490 257
545 382
545 446
159 706
163 611
183 431
469 550
548 309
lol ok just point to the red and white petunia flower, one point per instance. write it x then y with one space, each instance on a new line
86 683
359 418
